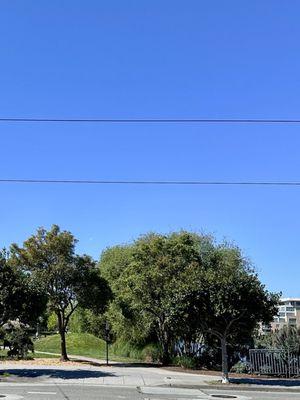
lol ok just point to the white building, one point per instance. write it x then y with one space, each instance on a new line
288 315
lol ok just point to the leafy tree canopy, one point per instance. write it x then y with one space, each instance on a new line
185 285
20 298
151 278
68 280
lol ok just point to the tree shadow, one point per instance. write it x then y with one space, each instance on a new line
54 373
268 382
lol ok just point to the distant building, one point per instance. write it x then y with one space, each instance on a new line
288 315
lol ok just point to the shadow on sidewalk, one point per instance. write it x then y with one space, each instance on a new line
55 373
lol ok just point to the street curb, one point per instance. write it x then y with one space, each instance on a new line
241 388
237 388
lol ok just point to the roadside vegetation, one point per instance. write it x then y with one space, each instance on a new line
180 298
88 345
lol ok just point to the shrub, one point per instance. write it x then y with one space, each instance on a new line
241 367
151 353
186 362
148 353
265 370
17 339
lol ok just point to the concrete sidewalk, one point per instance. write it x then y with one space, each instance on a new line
96 373
129 375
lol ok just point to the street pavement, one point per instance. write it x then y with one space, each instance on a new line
90 392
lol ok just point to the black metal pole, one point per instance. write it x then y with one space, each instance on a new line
107 339
106 352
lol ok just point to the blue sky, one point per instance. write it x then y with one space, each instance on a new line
161 59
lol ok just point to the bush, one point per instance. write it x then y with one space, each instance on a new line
148 353
151 353
241 367
17 338
265 370
186 362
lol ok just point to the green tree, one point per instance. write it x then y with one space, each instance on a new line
151 279
232 299
183 287
127 322
20 298
68 280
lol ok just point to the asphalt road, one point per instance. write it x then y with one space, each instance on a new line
89 392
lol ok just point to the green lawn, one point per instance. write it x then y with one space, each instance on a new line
81 344
84 344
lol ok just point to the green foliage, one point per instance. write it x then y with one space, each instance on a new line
187 362
148 353
184 286
162 290
151 353
85 320
241 367
114 261
231 300
88 345
17 338
67 279
52 322
150 280
264 341
78 323
265 370
20 298
287 339
127 323
78 344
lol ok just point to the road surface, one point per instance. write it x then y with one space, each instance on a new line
90 392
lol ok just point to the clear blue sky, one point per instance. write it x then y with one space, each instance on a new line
173 59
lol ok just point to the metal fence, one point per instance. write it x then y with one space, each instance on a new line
274 362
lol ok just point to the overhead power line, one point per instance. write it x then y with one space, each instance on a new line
153 120
150 182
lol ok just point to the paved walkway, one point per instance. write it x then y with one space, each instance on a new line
127 375
97 373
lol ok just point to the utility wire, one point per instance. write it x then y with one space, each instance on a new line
150 182
154 120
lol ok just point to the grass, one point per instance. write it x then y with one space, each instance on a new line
81 344
85 344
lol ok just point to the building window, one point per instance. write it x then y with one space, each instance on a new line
281 314
290 309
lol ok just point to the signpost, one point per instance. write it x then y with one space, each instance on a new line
106 335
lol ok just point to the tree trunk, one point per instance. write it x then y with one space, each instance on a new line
165 344
62 332
165 354
225 377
